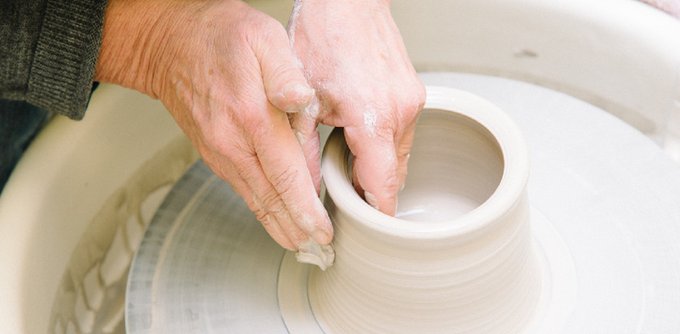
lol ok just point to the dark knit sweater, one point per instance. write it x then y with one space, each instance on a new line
48 52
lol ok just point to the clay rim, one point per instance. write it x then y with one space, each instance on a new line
510 190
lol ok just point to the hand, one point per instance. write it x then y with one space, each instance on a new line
225 72
354 57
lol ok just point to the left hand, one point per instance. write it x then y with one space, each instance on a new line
226 73
355 59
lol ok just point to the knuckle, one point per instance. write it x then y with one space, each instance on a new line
285 181
259 23
411 105
420 93
263 216
222 148
250 114
392 181
271 203
384 131
266 213
254 121
225 141
270 26
404 151
262 30
284 71
244 166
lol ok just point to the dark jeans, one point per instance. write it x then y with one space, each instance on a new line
19 123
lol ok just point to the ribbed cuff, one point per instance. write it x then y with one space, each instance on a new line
65 57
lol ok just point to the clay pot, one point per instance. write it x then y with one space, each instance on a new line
458 255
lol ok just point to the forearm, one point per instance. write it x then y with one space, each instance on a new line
134 42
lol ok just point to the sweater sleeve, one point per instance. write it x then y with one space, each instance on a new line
49 52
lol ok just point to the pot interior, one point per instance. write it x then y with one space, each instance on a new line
456 164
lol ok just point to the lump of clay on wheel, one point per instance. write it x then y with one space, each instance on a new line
311 252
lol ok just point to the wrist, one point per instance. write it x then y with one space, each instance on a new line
134 44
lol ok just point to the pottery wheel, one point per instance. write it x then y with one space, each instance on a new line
605 213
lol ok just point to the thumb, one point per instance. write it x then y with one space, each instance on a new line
284 81
304 125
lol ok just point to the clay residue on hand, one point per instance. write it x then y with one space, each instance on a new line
292 21
311 252
370 121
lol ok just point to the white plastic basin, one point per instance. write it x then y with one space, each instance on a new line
78 187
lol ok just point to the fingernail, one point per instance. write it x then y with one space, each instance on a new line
403 185
371 200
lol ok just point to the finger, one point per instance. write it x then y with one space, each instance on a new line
272 222
268 206
285 167
284 80
304 126
276 232
374 168
274 213
403 149
227 171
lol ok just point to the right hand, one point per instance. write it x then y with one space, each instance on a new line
226 73
355 58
